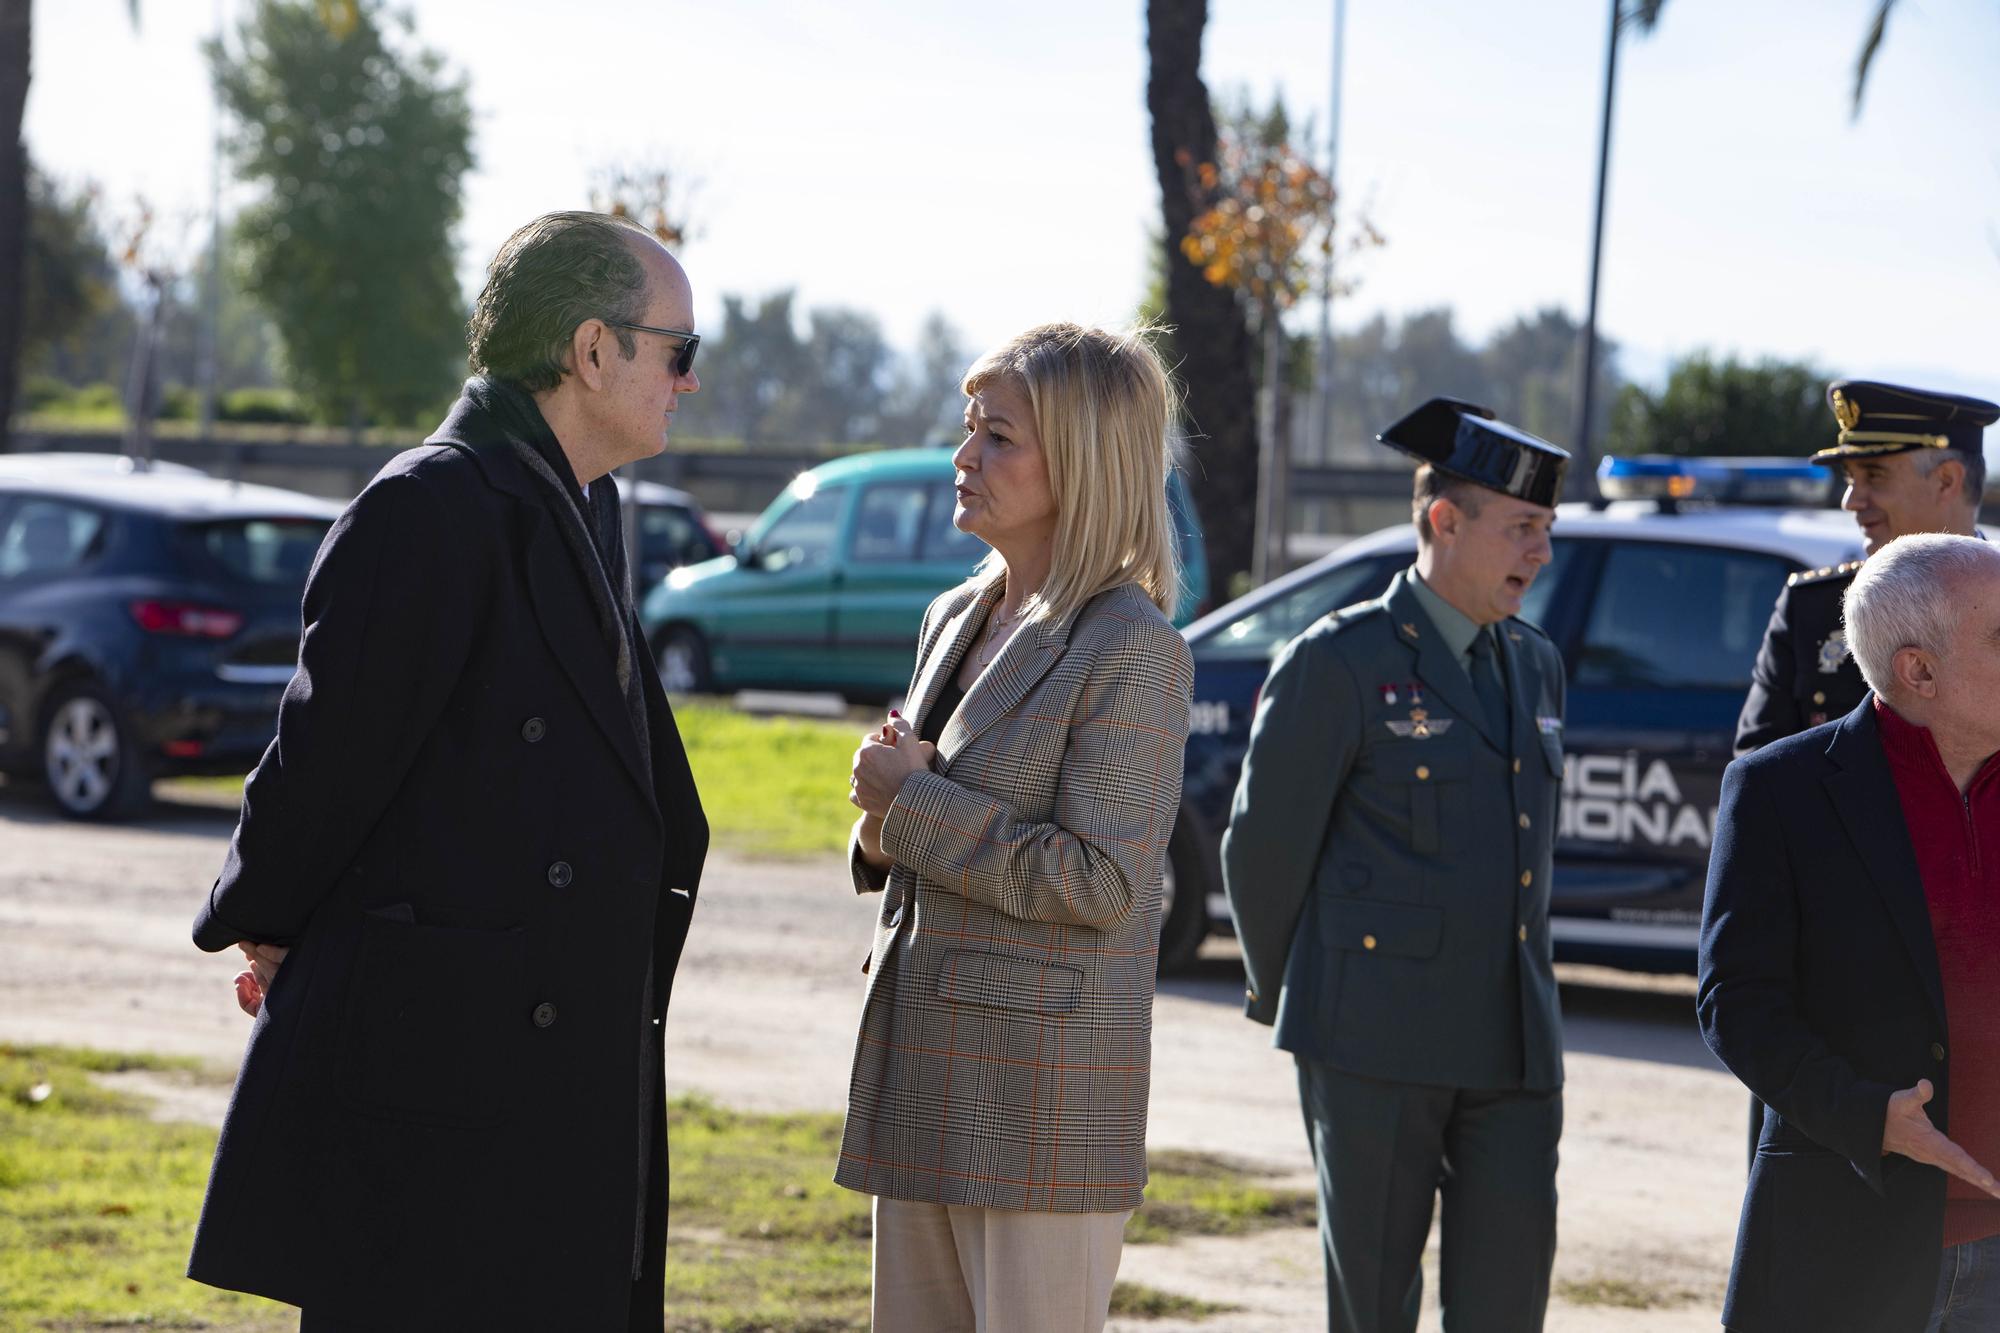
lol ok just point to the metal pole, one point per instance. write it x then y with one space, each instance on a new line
1270 497
1322 415
1583 470
211 329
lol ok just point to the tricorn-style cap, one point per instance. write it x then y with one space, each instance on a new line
1466 441
1880 419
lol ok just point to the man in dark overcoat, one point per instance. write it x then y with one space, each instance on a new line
465 868
1912 460
1850 971
1388 862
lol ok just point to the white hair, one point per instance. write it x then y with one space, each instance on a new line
1907 596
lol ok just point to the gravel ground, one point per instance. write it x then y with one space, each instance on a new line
94 951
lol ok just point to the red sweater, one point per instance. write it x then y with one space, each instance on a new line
1957 840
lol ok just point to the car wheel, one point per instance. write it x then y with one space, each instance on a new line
1183 907
682 657
88 760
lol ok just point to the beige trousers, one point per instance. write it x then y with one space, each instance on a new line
945 1269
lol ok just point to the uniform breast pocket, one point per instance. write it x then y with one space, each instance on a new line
431 1017
1423 773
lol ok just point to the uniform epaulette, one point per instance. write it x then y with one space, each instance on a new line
1515 622
1822 574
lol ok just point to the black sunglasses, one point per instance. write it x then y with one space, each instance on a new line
684 359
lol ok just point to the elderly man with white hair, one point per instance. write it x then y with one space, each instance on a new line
1850 970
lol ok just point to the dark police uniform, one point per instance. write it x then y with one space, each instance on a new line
1388 862
1805 674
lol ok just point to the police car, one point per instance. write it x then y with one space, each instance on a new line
1658 603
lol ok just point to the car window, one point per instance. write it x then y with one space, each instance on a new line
803 535
1678 616
668 535
944 543
277 551
888 522
47 537
1261 631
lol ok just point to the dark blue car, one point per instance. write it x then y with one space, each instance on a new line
1658 609
149 622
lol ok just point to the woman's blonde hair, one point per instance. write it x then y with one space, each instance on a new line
1102 402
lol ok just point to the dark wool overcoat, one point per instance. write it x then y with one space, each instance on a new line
455 1084
1820 989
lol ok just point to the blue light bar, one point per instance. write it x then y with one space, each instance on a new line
1779 481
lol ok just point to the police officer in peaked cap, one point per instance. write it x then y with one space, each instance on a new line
1913 462
1388 862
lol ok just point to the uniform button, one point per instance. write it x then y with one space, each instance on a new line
1367 941
1819 696
1524 821
1527 878
545 1014
1523 933
1250 995
533 730
1423 773
560 874
1937 1051
1517 766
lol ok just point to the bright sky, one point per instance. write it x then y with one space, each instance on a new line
994 162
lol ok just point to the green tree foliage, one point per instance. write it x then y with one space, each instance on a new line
360 145
70 279
1725 407
1526 372
841 383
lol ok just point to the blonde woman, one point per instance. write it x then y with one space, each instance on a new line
1018 821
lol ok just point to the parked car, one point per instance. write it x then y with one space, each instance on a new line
673 531
60 461
828 589
149 622
1658 607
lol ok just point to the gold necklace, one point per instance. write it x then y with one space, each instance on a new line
994 623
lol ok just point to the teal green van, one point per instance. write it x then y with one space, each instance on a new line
828 588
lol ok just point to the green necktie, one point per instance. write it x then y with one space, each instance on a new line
1486 680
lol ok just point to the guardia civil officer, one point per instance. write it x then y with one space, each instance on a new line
1912 462
1387 863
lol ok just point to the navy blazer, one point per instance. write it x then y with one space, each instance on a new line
1820 990
443 1109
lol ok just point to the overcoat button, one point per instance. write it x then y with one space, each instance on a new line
559 874
1523 933
545 1014
533 730
1367 941
1423 773
1527 878
1937 1051
1524 821
1819 696
1517 766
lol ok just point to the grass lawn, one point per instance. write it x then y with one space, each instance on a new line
772 786
97 1205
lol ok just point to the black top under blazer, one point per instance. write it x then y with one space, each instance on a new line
1820 989
442 1111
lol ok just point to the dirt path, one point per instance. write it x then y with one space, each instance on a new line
94 951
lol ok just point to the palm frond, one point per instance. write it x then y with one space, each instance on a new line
1870 44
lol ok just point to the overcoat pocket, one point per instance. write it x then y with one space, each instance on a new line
997 981
430 1019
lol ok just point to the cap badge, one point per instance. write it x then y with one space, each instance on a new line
1845 411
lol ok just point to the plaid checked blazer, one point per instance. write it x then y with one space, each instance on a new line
1006 1038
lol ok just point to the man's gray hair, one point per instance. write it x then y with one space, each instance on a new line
1907 595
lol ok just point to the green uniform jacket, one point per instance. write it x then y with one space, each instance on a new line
1388 856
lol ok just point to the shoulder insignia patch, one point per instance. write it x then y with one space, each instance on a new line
1822 574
